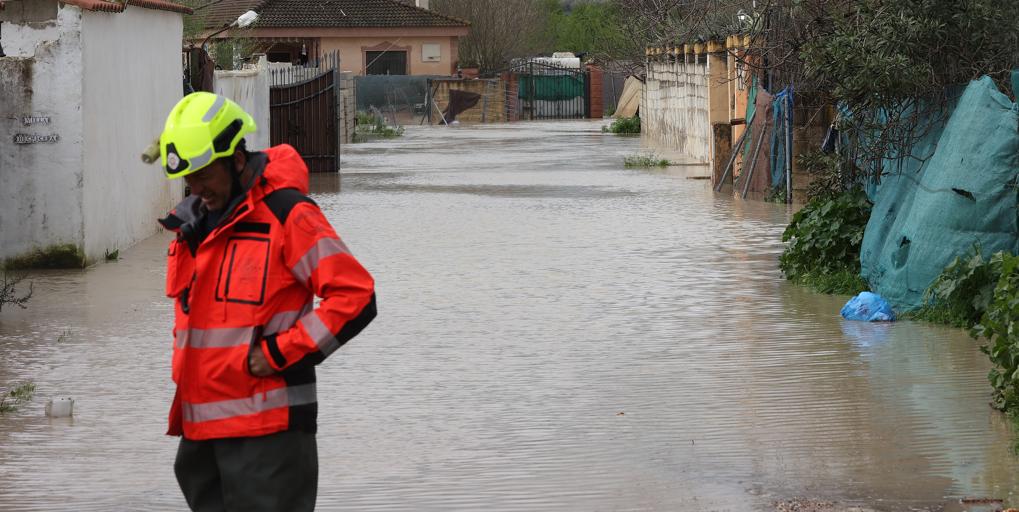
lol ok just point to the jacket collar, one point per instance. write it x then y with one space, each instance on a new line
189 213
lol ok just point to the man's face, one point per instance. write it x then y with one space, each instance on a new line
212 184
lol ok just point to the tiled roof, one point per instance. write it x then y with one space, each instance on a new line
329 14
226 11
110 6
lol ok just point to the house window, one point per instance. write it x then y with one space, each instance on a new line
386 63
431 52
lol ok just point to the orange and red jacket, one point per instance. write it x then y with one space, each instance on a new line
249 284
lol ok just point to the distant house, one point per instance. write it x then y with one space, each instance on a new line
373 37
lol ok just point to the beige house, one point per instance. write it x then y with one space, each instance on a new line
373 37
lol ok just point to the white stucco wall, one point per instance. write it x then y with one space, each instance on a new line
131 79
20 40
40 184
674 109
250 89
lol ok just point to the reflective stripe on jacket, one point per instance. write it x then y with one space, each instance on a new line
250 285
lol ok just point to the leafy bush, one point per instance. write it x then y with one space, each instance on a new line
623 126
824 238
1000 327
961 294
890 63
651 160
830 173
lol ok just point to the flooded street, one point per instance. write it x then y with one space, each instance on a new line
555 332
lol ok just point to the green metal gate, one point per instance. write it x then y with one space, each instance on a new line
545 91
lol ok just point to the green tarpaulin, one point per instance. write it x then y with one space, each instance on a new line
957 189
551 87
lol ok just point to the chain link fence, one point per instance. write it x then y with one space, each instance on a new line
402 99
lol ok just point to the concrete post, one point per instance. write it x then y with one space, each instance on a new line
718 107
722 146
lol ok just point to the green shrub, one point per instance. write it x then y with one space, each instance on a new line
824 239
961 294
830 173
1000 328
623 126
372 125
650 160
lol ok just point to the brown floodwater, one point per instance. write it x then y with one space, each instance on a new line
555 332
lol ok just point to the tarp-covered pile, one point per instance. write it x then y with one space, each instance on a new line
960 190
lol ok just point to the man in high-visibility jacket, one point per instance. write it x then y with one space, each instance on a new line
250 254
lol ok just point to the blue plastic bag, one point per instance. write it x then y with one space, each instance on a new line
868 307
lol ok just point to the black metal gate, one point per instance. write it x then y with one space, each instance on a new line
545 91
306 115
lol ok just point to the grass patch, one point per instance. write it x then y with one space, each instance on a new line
14 397
623 126
54 256
843 282
112 256
645 161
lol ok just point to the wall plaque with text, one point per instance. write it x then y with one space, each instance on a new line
24 138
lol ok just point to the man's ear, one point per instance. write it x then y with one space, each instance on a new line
240 161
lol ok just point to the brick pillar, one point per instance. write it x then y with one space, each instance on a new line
722 151
597 99
512 99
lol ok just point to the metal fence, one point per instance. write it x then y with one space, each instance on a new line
551 92
400 98
305 110
285 73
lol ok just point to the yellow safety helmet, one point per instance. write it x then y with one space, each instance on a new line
201 128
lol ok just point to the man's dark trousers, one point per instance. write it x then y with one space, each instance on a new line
277 472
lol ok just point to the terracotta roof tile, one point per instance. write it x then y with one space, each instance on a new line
220 12
330 14
110 6
163 5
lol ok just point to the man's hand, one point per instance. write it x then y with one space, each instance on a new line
257 363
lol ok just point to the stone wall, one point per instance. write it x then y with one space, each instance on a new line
675 110
491 108
348 108
82 95
40 96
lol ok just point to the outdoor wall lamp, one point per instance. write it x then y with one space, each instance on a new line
243 21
